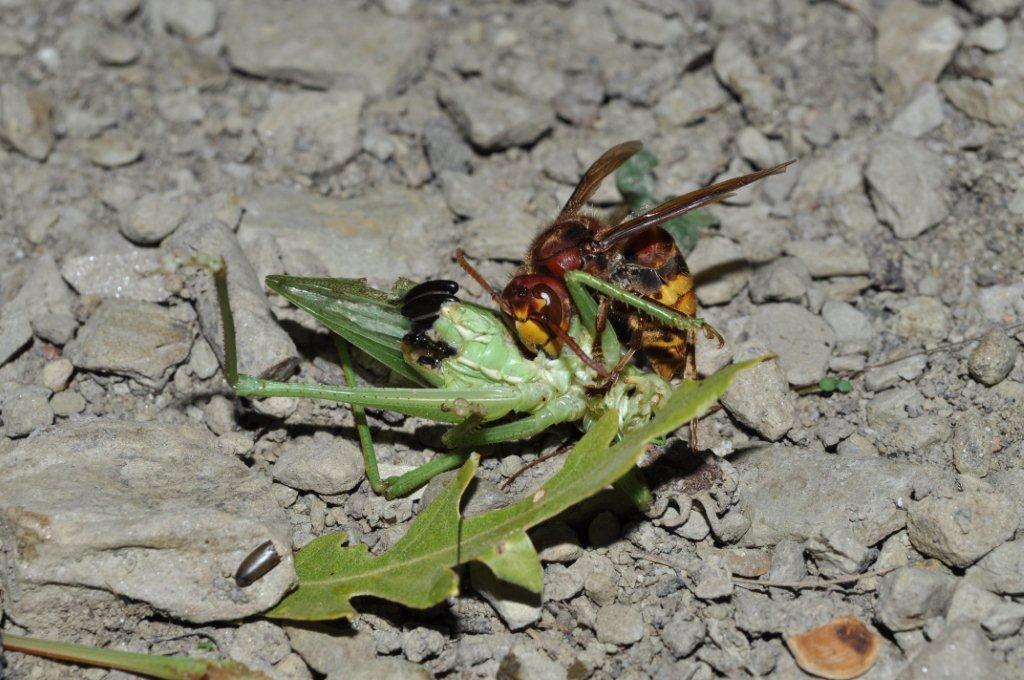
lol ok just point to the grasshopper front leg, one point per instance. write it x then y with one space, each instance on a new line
666 315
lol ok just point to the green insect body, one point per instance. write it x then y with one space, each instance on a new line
484 385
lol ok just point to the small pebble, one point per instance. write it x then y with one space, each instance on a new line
114 149
604 529
114 49
683 635
619 624
57 373
993 358
555 541
152 219
26 409
67 403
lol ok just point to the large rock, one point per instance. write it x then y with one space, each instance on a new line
910 596
135 274
1002 570
29 294
1000 102
312 131
914 44
151 512
961 528
790 493
322 44
802 341
760 397
494 120
140 340
389 233
908 185
960 651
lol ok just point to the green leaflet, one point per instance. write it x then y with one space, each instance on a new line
417 571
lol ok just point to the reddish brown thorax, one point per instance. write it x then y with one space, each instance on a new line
563 247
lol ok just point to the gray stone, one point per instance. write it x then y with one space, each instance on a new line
993 359
711 578
619 624
834 173
264 349
852 327
522 663
330 650
837 552
599 577
67 403
55 327
604 529
970 602
494 120
25 121
961 528
321 463
312 131
961 651
382 667
1003 620
697 96
760 398
561 583
683 635
504 232
445 148
1003 303
787 562
185 107
825 259
973 440
25 409
118 11
884 377
644 27
802 340
914 44
114 149
555 541
153 218
719 270
796 494
783 280
516 606
421 643
894 406
57 373
755 147
990 36
192 19
136 520
137 339
1002 570
258 643
738 70
909 596
924 320
480 495
114 49
134 274
908 185
999 102
391 232
320 44
920 115
994 8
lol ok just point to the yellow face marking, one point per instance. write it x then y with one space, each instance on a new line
537 338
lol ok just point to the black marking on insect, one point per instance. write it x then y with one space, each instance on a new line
257 564
422 306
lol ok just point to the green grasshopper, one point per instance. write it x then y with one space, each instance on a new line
468 366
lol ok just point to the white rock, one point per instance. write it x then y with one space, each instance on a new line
914 44
908 185
920 115
719 269
312 131
25 121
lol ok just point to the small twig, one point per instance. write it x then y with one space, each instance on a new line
533 463
924 352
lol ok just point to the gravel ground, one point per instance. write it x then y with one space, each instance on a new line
370 139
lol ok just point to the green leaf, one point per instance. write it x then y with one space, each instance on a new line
366 317
152 665
635 179
418 570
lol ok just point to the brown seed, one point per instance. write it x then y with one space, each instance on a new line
843 648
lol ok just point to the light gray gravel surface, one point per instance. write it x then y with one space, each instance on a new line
370 139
